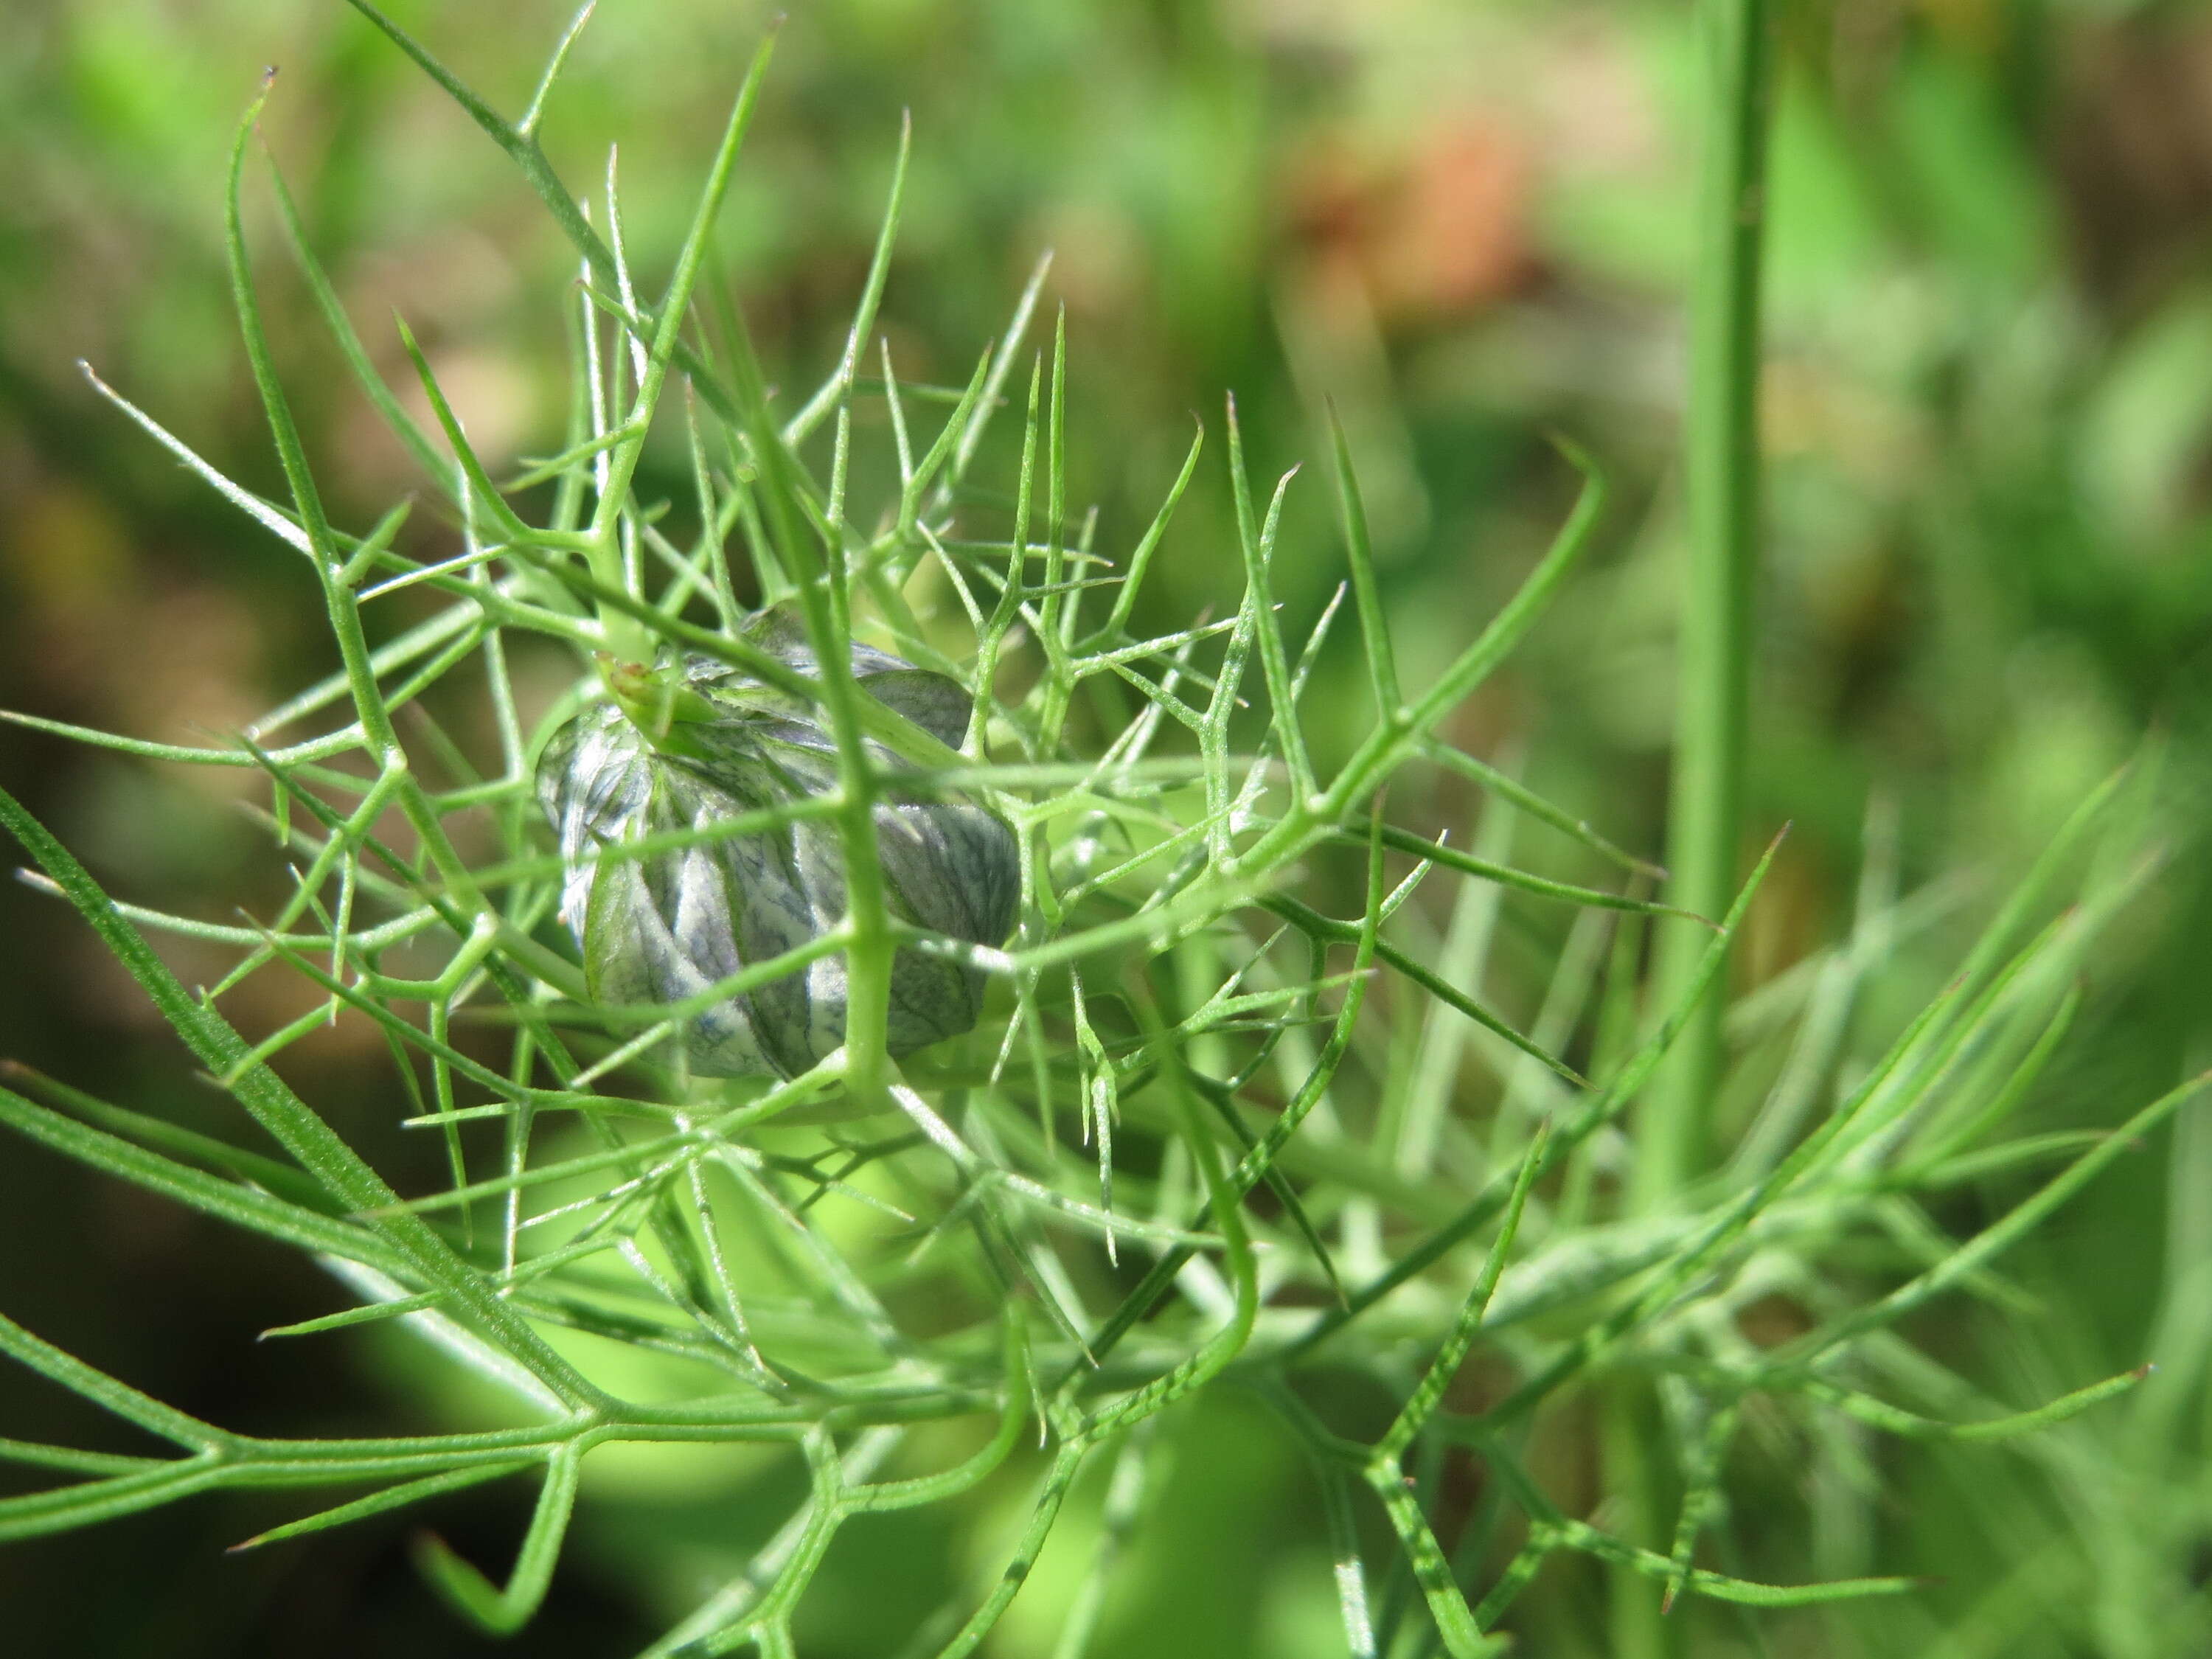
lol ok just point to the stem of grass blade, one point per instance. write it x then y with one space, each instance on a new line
1720 486
1706 806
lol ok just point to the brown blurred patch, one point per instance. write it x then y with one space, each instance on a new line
453 292
1432 231
1807 410
1596 104
110 637
68 554
1099 264
2133 147
1795 913
1458 240
1771 1321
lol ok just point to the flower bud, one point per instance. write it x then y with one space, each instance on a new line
692 744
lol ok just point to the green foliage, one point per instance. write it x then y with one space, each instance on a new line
1255 1042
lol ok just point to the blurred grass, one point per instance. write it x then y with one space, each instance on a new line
1987 568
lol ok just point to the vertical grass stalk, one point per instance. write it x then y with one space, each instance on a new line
1721 487
1705 807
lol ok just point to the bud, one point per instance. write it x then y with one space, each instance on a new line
691 744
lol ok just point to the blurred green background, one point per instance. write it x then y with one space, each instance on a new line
1988 571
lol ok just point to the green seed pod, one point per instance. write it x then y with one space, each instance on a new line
693 743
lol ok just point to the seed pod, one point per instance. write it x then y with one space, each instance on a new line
693 743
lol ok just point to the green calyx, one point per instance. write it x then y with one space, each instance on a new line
656 700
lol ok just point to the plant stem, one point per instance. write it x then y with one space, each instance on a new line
1719 465
1721 484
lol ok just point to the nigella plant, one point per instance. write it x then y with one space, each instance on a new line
695 744
931 1086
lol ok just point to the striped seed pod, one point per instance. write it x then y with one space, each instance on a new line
692 744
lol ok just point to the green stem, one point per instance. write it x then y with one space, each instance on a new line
1719 465
1720 486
